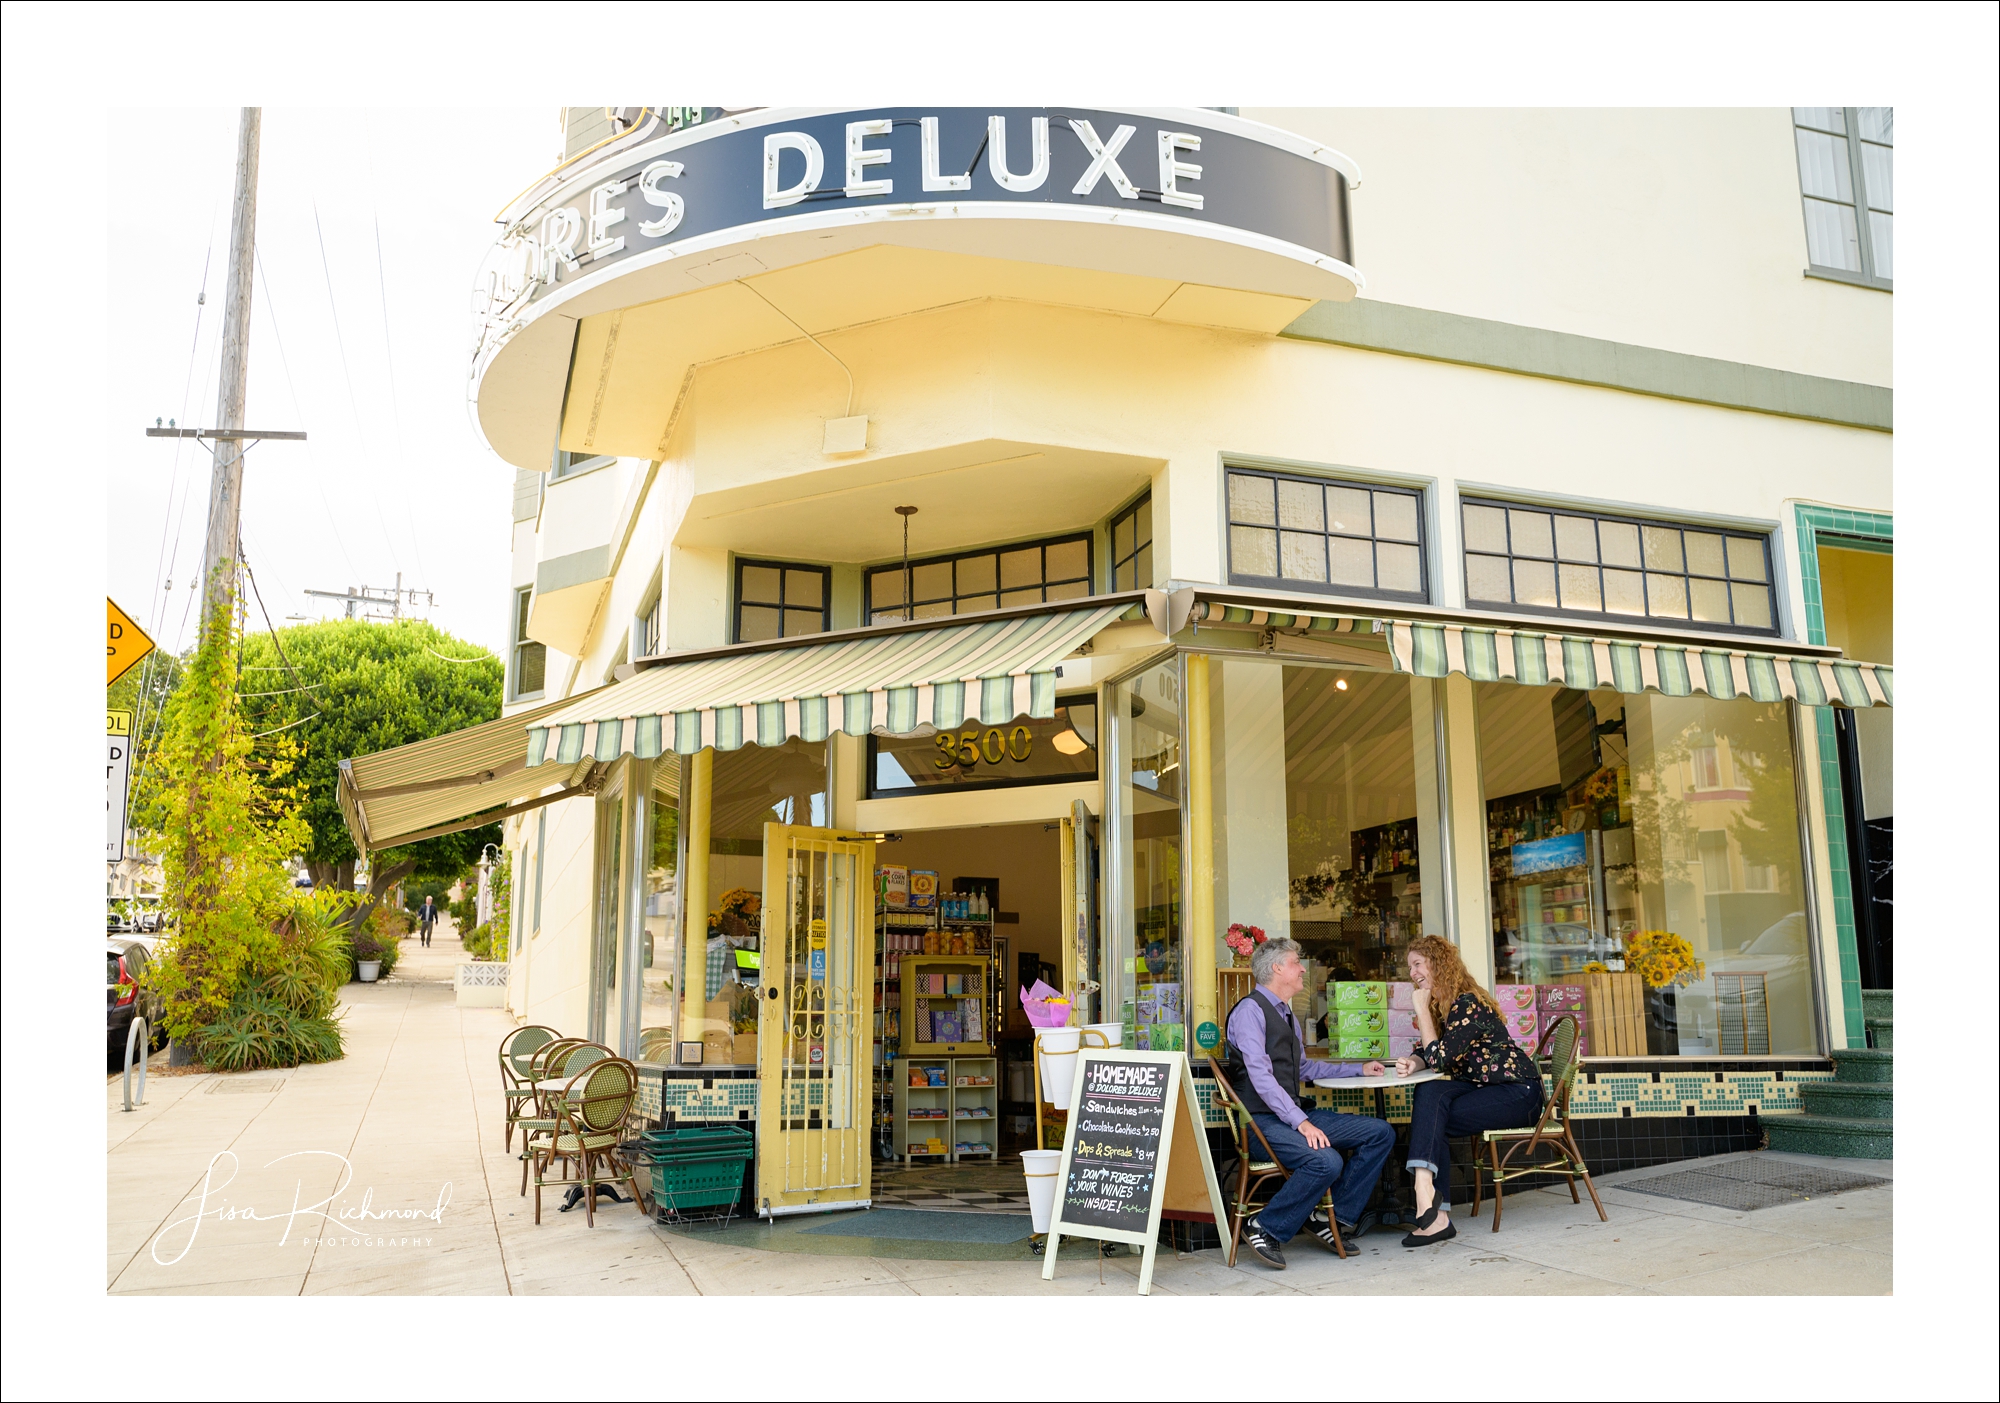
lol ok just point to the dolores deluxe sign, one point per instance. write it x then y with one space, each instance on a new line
1231 180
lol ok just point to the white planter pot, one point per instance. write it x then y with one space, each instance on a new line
371 970
1040 1167
1057 1049
1112 1033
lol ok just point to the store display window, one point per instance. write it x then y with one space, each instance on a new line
1142 947
1646 871
1323 820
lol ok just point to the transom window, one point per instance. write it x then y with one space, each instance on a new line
778 600
1331 537
1610 567
1847 169
1132 546
531 659
1034 573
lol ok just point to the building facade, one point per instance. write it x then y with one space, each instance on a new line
1354 524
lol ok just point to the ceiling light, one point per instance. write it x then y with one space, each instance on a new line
1340 684
1069 743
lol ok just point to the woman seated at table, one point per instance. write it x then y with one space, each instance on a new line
1489 1082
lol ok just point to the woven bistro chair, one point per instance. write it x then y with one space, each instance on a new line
1256 1168
554 1074
517 1064
1550 1136
590 1119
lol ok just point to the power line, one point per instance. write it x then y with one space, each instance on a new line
395 399
353 400
319 484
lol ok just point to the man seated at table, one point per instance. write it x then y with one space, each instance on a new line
1264 1058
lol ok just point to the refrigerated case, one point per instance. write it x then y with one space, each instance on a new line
1564 889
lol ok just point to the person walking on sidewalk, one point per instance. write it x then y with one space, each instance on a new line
1265 1059
426 918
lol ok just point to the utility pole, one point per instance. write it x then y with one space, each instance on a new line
225 484
358 596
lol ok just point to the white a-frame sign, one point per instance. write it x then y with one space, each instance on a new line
1134 1149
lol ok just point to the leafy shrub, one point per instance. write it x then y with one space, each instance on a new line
283 1014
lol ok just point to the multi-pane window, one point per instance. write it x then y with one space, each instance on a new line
1034 573
531 659
1132 546
1331 537
1847 173
1582 563
776 600
569 464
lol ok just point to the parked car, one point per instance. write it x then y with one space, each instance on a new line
126 964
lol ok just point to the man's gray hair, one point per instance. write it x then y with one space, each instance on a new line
1266 958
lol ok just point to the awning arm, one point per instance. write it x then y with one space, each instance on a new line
506 811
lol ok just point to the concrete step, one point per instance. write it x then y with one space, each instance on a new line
1878 1003
1881 1034
1852 1099
1832 1135
1864 1064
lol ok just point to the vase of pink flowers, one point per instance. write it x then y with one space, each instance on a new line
1243 941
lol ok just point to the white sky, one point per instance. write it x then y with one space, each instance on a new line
393 476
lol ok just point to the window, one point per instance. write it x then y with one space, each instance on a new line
1034 573
1328 537
574 464
775 600
646 631
1610 567
1132 546
1847 169
1060 750
531 659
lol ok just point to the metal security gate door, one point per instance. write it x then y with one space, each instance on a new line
814 1036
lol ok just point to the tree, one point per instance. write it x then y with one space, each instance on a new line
348 687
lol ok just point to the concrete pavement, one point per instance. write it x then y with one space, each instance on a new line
384 1173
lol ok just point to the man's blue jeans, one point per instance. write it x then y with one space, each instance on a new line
1351 1163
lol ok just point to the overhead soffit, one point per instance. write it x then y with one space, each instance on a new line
844 513
628 362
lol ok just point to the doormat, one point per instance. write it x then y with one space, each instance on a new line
927 1225
1749 1184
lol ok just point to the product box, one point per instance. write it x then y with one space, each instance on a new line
1363 1022
1523 1025
1360 994
1167 1003
1166 1037
1560 998
1513 998
1402 1047
1361 1049
1402 994
1402 1023
1549 1017
923 890
892 886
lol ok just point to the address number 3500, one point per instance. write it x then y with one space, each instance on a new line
994 746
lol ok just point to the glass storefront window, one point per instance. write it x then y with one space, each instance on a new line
659 950
1142 955
1650 843
1060 750
1323 820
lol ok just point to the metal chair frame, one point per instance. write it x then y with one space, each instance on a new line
1550 1132
556 1066
517 1062
1253 1174
589 1118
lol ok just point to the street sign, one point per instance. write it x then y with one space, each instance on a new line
117 777
127 643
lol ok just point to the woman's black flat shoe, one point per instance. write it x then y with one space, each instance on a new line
1450 1232
1426 1218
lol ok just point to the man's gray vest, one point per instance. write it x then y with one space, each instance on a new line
1280 1042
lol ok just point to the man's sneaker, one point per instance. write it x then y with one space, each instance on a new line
1350 1231
1320 1228
1263 1244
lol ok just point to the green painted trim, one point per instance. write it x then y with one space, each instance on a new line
1586 360
565 571
1849 530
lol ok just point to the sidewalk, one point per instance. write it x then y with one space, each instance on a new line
400 1143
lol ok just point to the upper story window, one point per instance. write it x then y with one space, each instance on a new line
569 464
1572 562
778 600
1132 546
646 631
1034 573
1847 171
531 659
1329 537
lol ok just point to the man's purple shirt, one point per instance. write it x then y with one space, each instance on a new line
1246 1035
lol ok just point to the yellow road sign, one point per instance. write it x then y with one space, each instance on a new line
127 643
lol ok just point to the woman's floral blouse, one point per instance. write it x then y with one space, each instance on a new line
1473 1046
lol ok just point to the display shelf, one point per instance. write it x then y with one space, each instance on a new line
962 1118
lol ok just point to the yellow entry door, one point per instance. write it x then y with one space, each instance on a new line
815 1035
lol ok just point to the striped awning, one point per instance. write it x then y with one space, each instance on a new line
1216 612
990 672
1625 665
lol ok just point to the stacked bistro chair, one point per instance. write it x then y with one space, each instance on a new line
556 1066
1258 1168
517 1061
589 1122
1548 1146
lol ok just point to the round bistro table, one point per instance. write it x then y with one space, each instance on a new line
1398 1202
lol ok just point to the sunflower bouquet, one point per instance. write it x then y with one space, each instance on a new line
1662 958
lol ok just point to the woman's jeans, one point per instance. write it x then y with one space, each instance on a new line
1446 1108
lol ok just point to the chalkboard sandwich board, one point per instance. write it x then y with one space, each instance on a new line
1134 1148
